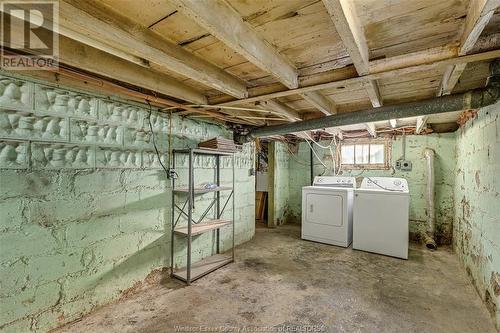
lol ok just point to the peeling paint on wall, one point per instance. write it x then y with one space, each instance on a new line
84 204
476 235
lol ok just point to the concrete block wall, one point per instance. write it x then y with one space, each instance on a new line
476 232
85 207
443 145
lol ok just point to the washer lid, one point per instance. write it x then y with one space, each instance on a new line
334 181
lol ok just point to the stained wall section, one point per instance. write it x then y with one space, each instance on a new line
476 232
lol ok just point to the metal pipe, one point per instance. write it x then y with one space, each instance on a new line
429 197
469 100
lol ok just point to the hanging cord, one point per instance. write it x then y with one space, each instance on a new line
153 138
329 147
317 157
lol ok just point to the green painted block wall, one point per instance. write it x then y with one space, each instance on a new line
477 204
84 204
444 147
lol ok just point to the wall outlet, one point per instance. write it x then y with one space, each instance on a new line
403 165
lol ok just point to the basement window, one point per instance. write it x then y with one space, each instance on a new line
373 154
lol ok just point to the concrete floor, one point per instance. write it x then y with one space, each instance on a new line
280 280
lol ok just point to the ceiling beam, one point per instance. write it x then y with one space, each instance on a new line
286 111
93 60
415 58
375 76
479 14
373 92
346 21
94 21
320 102
421 124
225 23
370 127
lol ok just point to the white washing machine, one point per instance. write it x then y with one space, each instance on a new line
381 216
327 210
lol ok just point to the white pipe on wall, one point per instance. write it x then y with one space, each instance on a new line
430 242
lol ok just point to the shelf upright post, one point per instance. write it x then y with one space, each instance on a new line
217 174
234 220
172 208
190 212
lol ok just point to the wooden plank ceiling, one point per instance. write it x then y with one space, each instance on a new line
321 57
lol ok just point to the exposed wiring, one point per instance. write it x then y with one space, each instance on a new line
335 170
314 152
153 139
317 157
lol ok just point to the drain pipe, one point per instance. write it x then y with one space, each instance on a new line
429 240
469 100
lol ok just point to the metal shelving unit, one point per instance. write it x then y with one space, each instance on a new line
193 271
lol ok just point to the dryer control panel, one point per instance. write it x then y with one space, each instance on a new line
385 183
334 181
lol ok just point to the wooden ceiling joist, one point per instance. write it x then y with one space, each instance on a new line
283 109
222 21
95 61
347 24
370 128
421 124
478 15
119 32
373 92
375 76
320 102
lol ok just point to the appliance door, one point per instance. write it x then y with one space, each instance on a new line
324 216
381 222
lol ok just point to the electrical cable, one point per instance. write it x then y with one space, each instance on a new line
153 139
317 157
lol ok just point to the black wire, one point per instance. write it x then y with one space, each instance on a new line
153 138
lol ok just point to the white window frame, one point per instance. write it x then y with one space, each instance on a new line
367 166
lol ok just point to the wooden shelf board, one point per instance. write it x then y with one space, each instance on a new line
203 267
202 227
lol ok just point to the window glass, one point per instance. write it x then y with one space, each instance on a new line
364 155
361 154
376 154
347 154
